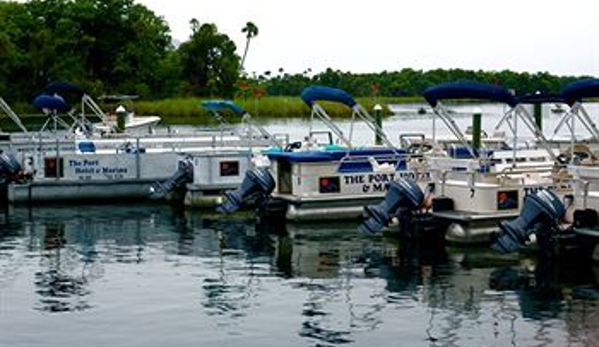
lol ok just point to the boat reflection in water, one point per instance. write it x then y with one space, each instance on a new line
160 274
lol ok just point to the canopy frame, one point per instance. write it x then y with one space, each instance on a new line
313 94
214 107
4 107
481 91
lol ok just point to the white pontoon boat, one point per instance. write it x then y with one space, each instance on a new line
320 181
564 220
472 187
108 168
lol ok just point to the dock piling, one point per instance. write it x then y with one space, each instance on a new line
378 118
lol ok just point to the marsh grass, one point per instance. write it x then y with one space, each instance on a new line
175 111
188 111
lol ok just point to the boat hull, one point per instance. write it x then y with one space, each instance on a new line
108 190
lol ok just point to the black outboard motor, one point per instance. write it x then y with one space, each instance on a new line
403 194
183 176
9 166
258 183
540 213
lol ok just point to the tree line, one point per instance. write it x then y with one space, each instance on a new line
410 82
121 47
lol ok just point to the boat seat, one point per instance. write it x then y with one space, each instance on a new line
86 147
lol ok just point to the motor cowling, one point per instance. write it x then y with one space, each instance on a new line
182 176
403 194
541 212
9 166
257 183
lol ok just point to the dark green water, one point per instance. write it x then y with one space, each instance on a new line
155 276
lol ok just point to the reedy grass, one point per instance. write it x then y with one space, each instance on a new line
187 110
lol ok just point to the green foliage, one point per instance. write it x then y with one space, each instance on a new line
407 82
112 44
209 62
109 46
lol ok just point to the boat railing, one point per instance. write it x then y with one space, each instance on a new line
329 136
405 142
524 169
378 157
582 179
377 163
483 166
453 164
13 116
472 172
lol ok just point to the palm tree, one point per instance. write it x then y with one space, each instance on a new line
250 30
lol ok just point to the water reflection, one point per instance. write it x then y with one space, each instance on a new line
59 287
328 284
333 267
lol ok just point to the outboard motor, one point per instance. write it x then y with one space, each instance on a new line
183 176
256 183
403 194
540 213
9 166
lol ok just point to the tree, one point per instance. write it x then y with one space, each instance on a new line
251 31
209 62
113 43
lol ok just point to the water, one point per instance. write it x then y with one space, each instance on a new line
156 275
411 122
408 121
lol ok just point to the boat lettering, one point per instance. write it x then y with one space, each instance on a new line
384 178
369 179
375 187
83 163
88 169
100 170
379 182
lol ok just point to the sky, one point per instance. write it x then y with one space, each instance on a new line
558 36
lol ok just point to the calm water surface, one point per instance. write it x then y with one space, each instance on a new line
158 276
408 121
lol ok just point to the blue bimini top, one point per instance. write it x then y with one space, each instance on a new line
51 102
312 94
580 90
543 98
217 106
469 90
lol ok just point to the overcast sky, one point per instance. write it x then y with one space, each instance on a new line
559 36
